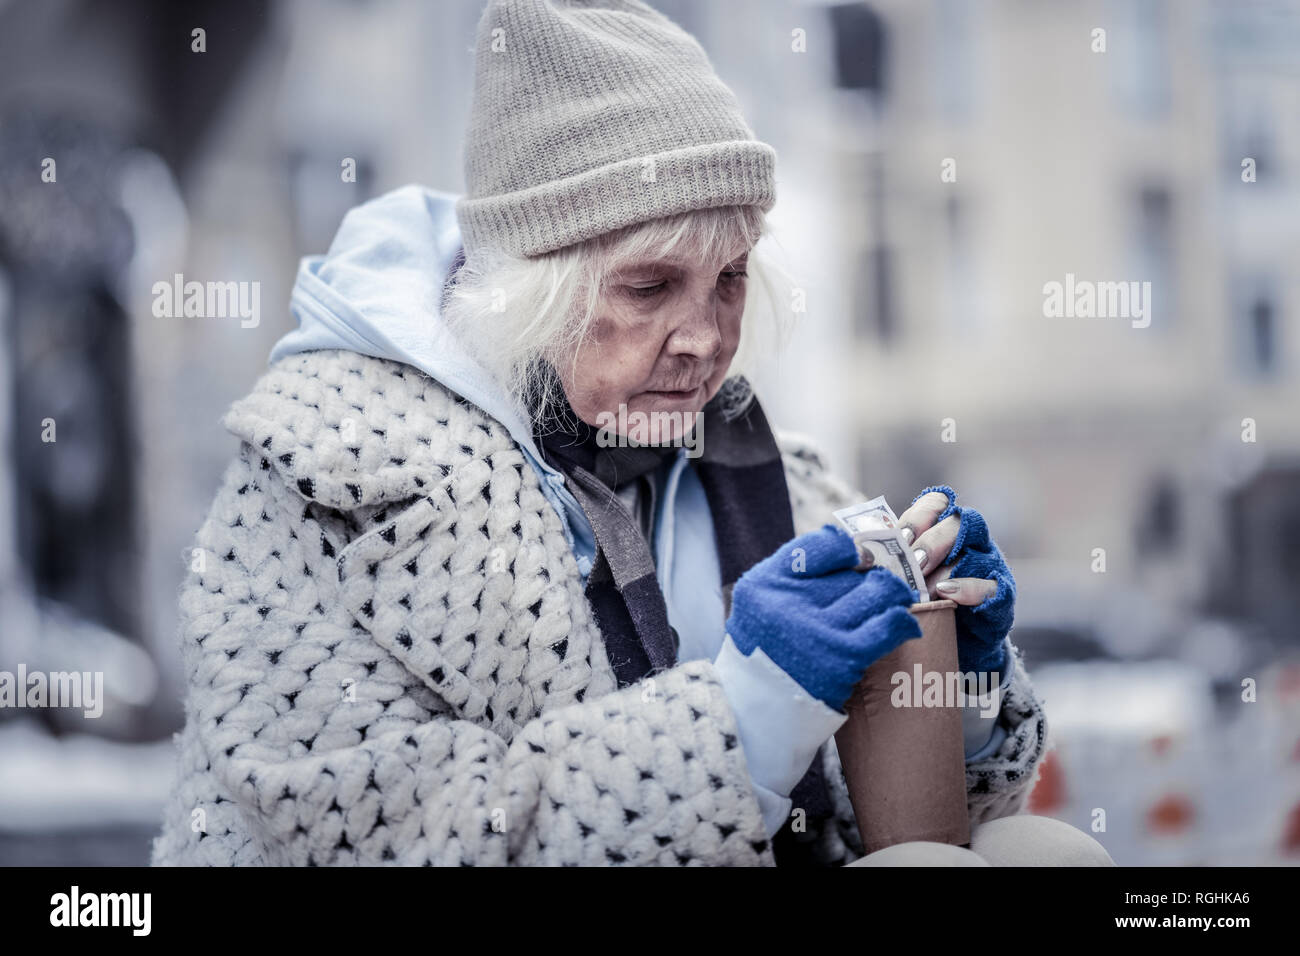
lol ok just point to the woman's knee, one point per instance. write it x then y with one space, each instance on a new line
1029 840
921 853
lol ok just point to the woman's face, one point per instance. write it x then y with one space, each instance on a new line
662 341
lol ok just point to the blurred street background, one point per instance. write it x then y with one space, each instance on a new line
940 162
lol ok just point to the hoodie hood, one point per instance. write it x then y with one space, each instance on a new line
377 291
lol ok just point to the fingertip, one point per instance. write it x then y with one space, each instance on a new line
1002 594
972 533
946 491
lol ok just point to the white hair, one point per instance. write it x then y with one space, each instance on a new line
519 317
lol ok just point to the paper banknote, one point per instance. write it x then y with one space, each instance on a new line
874 527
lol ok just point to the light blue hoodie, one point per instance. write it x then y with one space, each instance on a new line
377 291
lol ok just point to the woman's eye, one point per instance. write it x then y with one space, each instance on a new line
645 292
729 278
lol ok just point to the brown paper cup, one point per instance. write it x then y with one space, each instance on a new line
905 766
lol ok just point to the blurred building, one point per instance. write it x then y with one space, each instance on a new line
1077 434
1073 434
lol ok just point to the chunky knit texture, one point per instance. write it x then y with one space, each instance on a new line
390 659
591 116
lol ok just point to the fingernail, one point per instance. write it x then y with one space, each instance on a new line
906 535
920 557
948 587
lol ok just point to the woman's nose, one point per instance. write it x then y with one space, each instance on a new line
697 331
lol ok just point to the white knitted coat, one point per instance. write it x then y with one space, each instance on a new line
390 659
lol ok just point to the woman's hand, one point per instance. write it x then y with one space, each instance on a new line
817 617
961 562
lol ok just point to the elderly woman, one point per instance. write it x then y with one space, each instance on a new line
449 614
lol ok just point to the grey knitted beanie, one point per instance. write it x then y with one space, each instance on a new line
591 116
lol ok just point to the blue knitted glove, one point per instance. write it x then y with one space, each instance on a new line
820 620
982 629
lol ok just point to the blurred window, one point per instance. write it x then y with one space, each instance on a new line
1249 128
875 312
1153 252
1159 527
962 298
956 25
1255 323
860 44
1139 42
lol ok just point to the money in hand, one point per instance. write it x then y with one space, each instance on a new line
874 528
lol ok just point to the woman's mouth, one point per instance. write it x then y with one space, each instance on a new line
675 395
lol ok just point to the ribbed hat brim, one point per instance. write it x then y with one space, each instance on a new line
551 216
